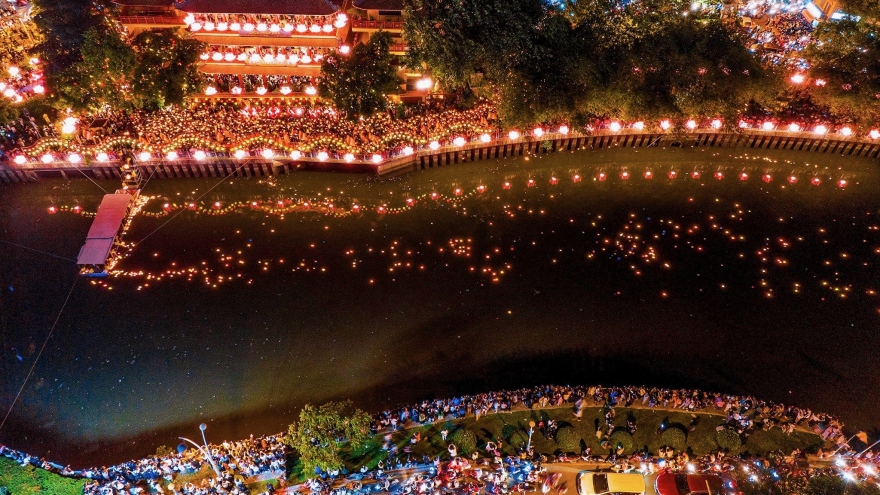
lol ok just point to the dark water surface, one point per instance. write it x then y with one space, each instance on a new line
236 315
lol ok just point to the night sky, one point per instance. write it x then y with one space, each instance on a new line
236 315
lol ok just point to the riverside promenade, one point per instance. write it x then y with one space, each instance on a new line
222 164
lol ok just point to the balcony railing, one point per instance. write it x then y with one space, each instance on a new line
386 25
150 19
397 48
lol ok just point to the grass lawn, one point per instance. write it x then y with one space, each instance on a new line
512 430
25 480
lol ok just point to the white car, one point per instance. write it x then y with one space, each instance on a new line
593 483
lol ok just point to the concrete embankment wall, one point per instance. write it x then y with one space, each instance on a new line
501 148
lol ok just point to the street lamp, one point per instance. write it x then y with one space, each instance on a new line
205 450
531 430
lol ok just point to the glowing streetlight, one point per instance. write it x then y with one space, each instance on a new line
424 84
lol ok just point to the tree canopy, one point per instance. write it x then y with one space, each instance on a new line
321 433
360 82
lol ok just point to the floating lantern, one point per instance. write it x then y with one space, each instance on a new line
841 183
719 175
743 176
624 175
601 176
554 181
695 174
815 181
576 178
673 174
792 179
506 185
767 178
649 174
530 183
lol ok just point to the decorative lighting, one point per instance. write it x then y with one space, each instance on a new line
538 132
311 91
485 138
377 159
513 134
306 59
205 56
344 49
189 19
348 157
339 23
47 158
199 155
424 84
20 160
691 124
434 145
209 26
408 150
874 134
9 93
239 154
217 56
268 154
195 26
235 26
846 131
102 157
262 90
768 126
323 156
665 125
639 126
295 154
301 28
820 129
13 71
274 28
285 90
327 28
262 27
222 26
144 156
798 78
459 141
236 90
614 126
314 28
171 156
793 127
39 89
248 27
229 57
563 129
716 124
841 183
210 91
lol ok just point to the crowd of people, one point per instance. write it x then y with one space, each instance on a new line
486 470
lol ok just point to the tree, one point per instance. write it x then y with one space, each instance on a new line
673 437
620 439
728 439
846 57
359 83
465 441
321 433
167 68
568 439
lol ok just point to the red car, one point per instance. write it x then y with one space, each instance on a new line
689 484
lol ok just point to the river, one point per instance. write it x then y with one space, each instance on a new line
239 303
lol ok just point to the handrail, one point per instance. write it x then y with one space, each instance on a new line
390 25
149 19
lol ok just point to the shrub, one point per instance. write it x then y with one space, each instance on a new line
728 439
508 430
673 437
568 439
519 439
621 438
464 441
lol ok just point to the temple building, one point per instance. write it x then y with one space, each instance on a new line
257 48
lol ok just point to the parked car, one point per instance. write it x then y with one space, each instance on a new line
593 483
666 483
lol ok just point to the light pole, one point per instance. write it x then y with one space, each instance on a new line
205 450
531 430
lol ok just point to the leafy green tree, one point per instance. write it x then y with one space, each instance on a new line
99 78
359 83
465 441
846 56
321 433
728 439
568 439
167 68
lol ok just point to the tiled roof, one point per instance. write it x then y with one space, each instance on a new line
379 4
291 7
